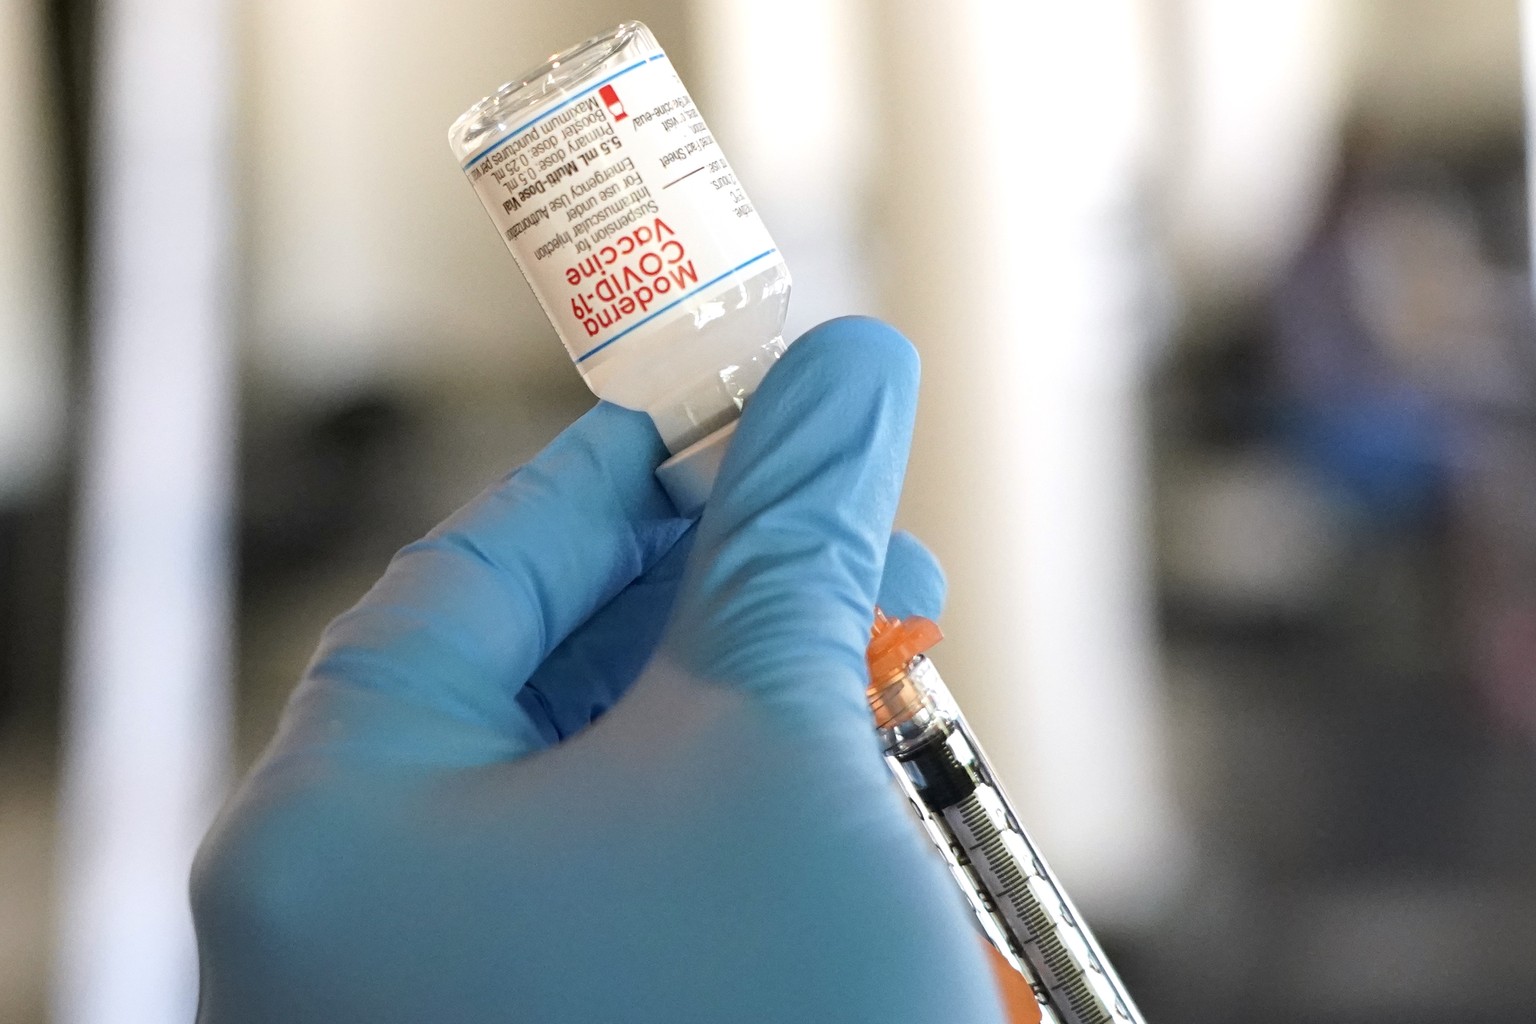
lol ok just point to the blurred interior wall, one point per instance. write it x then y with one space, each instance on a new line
1528 83
1259 94
32 403
370 261
36 331
145 746
803 140
1425 70
1252 106
1012 162
32 429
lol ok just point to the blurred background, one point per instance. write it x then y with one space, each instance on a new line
1228 436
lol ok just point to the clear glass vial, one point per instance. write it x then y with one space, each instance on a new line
633 231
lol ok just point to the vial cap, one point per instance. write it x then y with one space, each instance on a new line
689 476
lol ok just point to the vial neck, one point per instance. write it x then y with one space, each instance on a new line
711 402
684 424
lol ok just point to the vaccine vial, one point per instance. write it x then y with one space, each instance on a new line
636 236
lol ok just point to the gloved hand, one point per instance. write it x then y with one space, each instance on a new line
444 829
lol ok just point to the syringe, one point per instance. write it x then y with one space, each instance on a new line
1020 905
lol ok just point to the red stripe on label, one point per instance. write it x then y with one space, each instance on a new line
611 101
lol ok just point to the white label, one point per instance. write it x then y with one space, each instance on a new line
618 206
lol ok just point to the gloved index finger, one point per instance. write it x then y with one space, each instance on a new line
781 587
463 617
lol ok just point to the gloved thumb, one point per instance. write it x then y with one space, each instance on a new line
781 585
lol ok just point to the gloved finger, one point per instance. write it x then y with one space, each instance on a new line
913 582
462 618
781 588
597 663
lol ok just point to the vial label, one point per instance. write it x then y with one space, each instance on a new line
619 206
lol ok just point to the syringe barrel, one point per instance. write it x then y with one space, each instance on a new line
1020 905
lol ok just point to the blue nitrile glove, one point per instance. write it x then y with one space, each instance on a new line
441 833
